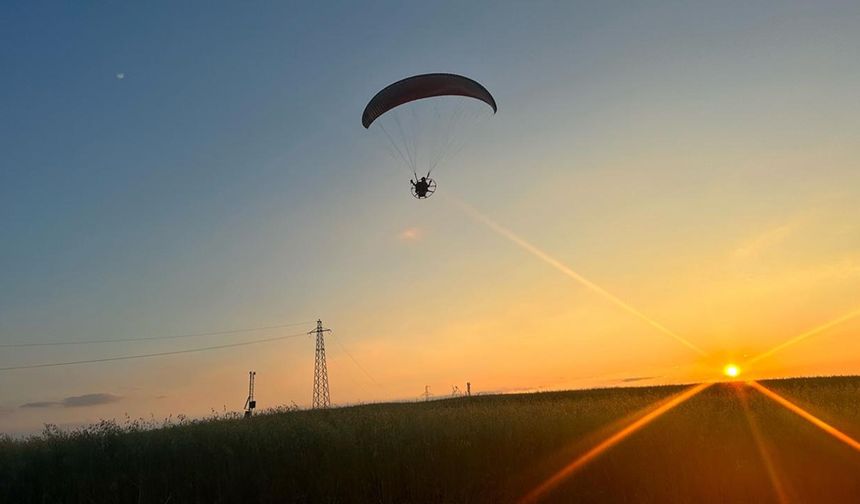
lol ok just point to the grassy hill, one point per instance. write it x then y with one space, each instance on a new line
479 449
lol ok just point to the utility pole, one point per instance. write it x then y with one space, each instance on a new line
468 389
426 393
250 403
321 396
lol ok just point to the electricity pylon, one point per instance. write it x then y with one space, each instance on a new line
321 395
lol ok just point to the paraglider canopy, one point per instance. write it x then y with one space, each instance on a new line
424 119
424 86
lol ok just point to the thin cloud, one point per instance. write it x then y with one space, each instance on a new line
81 401
764 241
40 404
637 378
773 237
89 400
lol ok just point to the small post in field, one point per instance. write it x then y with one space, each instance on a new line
250 403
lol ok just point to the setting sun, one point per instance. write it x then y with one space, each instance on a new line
731 370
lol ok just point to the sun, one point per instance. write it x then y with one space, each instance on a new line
731 370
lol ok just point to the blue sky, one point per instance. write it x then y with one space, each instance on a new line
225 182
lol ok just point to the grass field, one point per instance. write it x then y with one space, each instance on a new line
730 443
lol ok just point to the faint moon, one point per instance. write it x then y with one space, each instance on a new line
120 76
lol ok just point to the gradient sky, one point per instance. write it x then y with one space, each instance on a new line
700 163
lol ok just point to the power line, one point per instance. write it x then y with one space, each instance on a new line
157 354
149 338
359 366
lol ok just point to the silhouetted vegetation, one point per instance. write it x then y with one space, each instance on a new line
479 449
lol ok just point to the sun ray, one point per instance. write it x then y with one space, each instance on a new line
776 482
809 417
808 334
566 270
565 472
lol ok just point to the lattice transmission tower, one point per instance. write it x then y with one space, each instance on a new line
321 395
